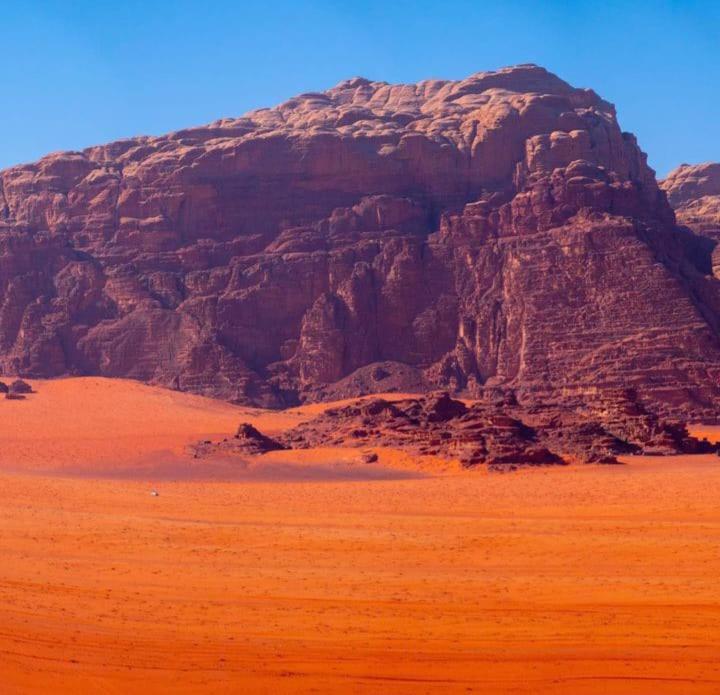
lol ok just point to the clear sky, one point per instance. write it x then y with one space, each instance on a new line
85 72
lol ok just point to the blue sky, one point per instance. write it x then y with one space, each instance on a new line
81 73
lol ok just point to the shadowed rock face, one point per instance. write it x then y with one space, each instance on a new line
500 231
694 192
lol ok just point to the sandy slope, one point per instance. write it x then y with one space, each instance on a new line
117 427
574 580
99 425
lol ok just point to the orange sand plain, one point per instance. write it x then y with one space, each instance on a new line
573 580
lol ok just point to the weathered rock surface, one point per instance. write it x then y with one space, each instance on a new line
248 440
499 231
497 432
694 193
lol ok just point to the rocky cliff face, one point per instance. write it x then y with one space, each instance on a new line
694 192
497 232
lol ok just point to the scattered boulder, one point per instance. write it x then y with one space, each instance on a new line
253 441
443 408
20 386
248 441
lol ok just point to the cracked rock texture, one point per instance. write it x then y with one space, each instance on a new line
494 431
694 192
496 232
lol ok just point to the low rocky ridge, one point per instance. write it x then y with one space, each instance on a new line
499 231
496 432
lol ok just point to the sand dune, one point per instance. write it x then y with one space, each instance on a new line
574 580
98 424
120 428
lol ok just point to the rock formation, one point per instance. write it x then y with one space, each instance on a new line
20 386
499 433
499 232
694 192
248 440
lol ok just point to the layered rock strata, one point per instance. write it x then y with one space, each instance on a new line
495 232
497 432
694 192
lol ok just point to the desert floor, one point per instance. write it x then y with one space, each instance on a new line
321 574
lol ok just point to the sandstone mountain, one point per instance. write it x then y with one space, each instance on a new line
499 232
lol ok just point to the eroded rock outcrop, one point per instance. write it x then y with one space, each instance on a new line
248 440
495 431
499 231
694 193
20 386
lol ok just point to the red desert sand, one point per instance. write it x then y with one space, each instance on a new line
306 573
